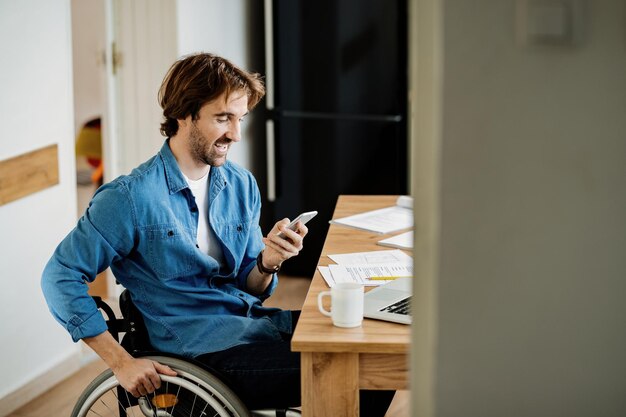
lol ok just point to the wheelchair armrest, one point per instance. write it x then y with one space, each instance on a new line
136 339
115 325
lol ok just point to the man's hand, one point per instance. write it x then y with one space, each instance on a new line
136 375
279 249
141 376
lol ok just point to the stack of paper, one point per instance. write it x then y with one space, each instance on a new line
385 220
368 268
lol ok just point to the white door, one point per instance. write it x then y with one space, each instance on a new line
142 43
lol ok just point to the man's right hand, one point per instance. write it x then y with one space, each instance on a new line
136 375
141 376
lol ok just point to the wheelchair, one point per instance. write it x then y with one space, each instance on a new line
194 392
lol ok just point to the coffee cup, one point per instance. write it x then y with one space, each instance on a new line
346 300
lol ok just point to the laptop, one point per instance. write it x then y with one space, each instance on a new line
390 302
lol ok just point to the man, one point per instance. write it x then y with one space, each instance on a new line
181 233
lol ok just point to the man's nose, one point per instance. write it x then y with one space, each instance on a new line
234 133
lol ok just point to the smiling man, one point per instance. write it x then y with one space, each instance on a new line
181 233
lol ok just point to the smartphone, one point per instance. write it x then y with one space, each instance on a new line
304 218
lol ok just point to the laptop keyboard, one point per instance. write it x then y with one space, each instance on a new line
400 307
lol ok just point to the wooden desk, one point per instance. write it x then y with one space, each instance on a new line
337 362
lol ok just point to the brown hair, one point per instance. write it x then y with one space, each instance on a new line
197 79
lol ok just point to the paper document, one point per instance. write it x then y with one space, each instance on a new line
372 257
359 266
402 241
361 273
385 220
328 277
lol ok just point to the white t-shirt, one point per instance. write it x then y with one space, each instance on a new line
206 238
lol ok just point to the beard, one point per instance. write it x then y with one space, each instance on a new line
204 151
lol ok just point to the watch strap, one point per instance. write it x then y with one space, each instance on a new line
262 269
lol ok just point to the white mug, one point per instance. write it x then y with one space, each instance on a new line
346 299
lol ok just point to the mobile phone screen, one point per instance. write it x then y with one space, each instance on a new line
304 218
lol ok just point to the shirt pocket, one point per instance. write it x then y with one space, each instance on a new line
170 251
236 236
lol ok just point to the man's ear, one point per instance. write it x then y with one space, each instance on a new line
184 123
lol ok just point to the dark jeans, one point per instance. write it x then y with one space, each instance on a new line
267 375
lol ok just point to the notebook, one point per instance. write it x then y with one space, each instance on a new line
390 302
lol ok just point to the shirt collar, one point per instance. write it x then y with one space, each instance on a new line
217 181
173 175
175 178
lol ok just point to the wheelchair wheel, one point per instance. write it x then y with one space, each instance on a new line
193 392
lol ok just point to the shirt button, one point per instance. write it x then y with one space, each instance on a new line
197 246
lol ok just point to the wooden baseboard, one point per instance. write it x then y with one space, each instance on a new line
40 384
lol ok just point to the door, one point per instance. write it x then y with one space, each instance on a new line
141 38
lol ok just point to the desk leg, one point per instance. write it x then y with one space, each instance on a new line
330 384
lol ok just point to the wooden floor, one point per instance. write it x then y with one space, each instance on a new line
59 400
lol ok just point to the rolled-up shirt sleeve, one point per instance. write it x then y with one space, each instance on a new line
103 234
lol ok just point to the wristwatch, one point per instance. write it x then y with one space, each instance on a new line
264 270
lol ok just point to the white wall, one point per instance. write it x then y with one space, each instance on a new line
35 111
220 27
529 313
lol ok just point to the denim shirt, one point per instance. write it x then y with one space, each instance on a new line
144 227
